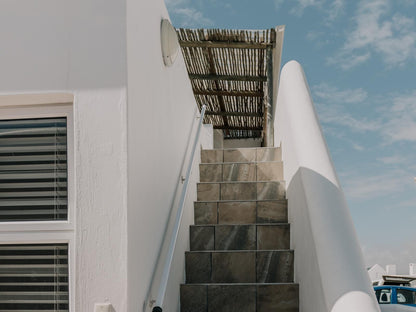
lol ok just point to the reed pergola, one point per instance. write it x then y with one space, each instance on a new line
231 71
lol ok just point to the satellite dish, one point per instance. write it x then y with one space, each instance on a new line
169 41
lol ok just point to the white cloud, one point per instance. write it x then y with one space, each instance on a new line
383 184
191 17
376 31
400 124
335 95
303 4
392 160
335 9
278 3
347 60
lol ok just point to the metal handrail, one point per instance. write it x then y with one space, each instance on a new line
174 235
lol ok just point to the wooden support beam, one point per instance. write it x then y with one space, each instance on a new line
244 114
229 93
238 128
227 77
224 44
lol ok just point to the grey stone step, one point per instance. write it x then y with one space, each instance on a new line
268 266
241 212
282 297
241 155
260 171
240 237
215 191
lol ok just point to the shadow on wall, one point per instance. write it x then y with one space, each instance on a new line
328 260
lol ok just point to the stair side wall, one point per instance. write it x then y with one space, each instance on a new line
331 273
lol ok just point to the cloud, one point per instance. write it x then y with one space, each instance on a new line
186 15
334 95
278 3
392 160
400 123
377 31
347 61
335 9
386 183
190 17
303 4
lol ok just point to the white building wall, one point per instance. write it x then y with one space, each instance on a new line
329 266
79 47
161 111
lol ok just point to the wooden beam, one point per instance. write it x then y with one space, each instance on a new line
227 77
229 93
244 114
239 128
212 70
224 44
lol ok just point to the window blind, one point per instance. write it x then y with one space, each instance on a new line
33 169
34 277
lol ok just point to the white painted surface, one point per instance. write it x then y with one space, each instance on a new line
161 113
391 269
376 272
101 198
62 45
328 262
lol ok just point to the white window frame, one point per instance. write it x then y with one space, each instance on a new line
26 106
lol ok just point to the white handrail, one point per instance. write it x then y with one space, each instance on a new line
158 303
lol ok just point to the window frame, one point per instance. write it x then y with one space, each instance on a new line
26 106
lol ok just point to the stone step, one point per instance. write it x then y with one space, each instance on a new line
282 297
240 212
215 191
268 266
241 155
240 237
260 171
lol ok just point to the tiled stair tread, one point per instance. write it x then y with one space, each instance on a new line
243 162
282 200
244 297
241 154
240 237
241 182
237 251
240 212
240 284
268 266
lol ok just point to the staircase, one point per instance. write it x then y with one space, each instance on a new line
240 258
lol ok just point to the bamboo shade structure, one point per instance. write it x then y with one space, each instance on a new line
228 73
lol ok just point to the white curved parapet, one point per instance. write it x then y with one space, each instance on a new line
329 266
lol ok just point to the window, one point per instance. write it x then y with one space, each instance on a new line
405 296
37 210
34 277
383 295
33 169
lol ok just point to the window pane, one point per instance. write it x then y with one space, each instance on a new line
34 277
405 296
33 169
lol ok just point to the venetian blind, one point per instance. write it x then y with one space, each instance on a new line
33 169
34 277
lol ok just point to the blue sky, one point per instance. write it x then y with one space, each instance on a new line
360 61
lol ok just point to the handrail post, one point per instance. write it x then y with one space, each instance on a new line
158 303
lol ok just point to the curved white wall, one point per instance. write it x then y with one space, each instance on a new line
328 262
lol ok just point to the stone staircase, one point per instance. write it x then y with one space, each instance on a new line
240 258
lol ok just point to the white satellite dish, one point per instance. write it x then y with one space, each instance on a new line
169 41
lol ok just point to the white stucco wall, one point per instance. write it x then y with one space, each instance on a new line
329 266
161 110
101 198
62 45
79 47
